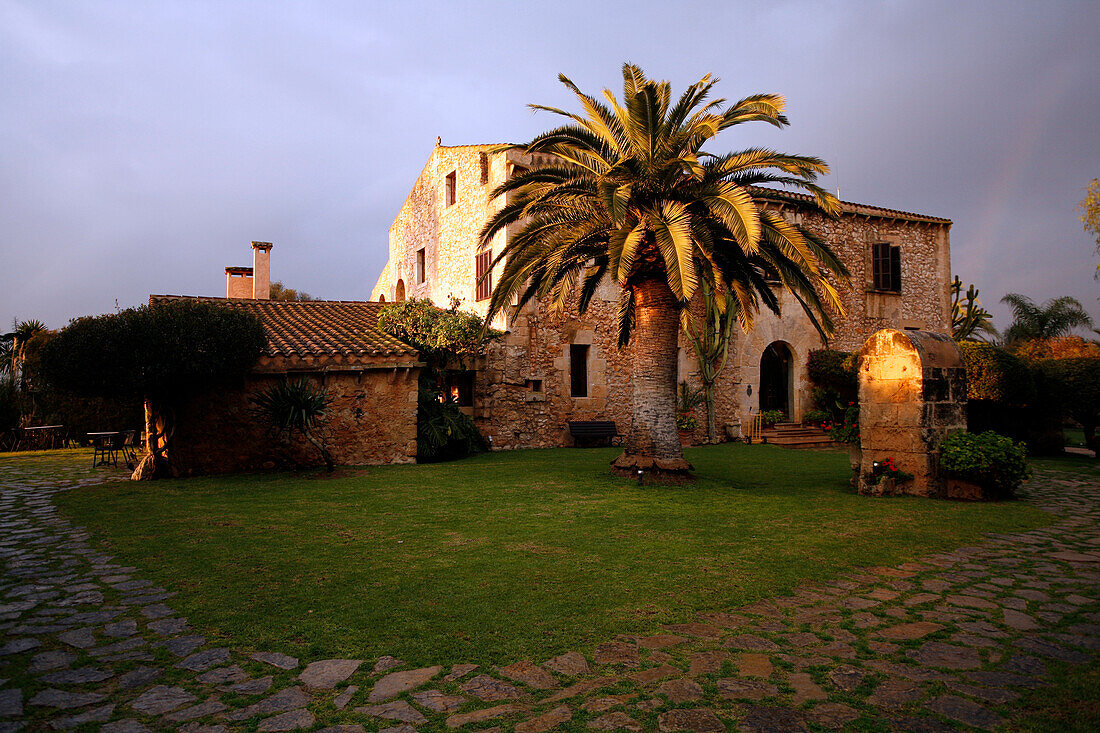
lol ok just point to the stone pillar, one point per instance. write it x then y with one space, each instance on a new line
261 270
912 393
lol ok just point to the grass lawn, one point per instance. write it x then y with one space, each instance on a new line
512 555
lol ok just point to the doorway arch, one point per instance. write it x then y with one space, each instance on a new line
777 378
399 293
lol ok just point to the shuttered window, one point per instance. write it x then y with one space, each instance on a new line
484 261
886 267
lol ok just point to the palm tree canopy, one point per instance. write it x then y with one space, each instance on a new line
1056 317
632 196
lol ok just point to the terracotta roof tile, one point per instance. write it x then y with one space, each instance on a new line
315 327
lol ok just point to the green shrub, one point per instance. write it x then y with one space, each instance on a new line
993 461
816 417
994 374
771 417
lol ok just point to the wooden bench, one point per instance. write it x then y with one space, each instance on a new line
588 431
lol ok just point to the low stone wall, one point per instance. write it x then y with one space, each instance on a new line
372 421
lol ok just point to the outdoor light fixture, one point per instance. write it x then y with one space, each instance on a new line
748 390
641 473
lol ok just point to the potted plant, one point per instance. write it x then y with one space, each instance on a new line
983 466
688 400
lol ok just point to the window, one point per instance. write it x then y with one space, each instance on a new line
886 267
484 260
578 370
535 385
483 159
451 188
459 388
419 265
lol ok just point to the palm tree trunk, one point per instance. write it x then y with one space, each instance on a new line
653 443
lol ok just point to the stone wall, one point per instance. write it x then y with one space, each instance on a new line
448 234
373 421
912 393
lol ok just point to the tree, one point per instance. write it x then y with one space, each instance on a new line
633 197
164 354
1056 317
711 344
969 321
282 292
1090 214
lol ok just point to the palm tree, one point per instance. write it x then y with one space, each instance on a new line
633 197
1054 318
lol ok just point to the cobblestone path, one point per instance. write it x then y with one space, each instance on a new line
947 643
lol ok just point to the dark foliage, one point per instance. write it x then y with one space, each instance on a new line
1009 395
1077 383
994 374
167 352
835 382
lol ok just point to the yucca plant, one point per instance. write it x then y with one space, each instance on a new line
297 406
634 198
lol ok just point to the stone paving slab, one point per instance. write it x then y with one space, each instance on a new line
947 643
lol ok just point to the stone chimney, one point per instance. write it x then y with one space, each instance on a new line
261 270
238 282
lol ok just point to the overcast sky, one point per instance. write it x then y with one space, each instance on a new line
144 145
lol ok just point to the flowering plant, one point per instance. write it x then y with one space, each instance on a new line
886 468
845 430
686 422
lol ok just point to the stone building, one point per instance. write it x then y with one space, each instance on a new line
370 376
554 367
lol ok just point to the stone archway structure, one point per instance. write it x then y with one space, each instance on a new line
912 393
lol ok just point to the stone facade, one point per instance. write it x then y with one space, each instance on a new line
912 394
372 421
509 405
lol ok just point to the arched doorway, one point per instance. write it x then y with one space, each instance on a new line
776 378
399 294
382 298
